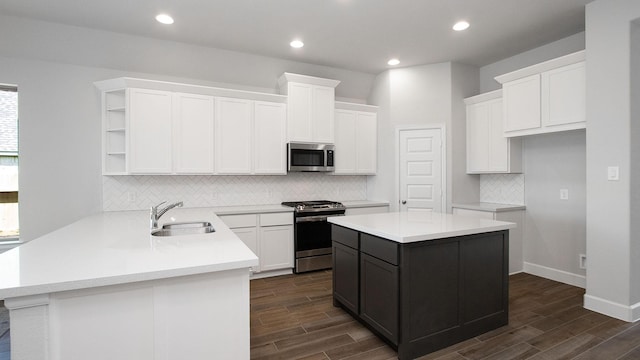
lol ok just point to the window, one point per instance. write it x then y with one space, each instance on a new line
9 225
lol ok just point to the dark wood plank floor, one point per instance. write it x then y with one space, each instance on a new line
292 317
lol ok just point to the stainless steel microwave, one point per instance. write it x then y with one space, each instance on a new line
310 157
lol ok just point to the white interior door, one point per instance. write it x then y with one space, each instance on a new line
421 188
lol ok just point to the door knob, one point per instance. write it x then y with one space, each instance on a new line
404 202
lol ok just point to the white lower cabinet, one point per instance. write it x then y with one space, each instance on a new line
276 247
516 260
268 235
249 237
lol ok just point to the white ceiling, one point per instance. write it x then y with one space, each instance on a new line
358 35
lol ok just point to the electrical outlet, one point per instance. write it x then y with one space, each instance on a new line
564 194
582 261
613 173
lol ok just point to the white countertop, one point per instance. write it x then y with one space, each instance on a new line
405 227
491 207
116 247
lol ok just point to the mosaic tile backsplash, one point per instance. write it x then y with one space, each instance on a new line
502 188
140 192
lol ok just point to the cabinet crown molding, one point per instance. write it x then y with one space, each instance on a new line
341 105
128 82
572 58
305 79
496 94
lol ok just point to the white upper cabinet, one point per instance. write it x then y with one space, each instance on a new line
522 104
488 151
311 105
269 132
233 136
545 97
193 133
355 140
366 143
150 131
170 133
345 158
564 98
156 127
299 105
250 137
322 114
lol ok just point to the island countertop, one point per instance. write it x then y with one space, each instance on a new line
115 248
407 227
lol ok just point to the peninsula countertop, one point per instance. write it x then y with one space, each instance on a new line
407 227
115 248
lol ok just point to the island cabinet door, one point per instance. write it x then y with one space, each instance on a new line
430 296
346 268
346 276
485 280
379 296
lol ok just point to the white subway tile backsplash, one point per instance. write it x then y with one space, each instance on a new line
502 188
140 192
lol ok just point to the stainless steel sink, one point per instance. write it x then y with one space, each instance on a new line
184 228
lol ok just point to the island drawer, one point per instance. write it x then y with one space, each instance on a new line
345 236
380 248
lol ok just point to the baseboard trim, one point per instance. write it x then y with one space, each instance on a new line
271 273
556 275
613 309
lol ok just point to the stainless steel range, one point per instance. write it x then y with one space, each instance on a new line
312 233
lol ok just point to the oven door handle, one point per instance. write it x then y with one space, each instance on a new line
317 218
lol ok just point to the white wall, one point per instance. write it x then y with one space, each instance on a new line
549 229
464 83
555 230
613 274
546 52
55 66
421 95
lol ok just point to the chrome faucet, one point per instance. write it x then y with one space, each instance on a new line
157 213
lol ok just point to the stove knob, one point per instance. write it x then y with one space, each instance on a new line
300 207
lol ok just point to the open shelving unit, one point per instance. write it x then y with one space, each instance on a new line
114 124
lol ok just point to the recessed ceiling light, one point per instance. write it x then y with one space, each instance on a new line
164 19
461 25
296 44
393 62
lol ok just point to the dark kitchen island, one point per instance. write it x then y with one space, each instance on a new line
422 281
